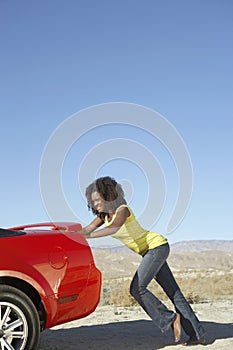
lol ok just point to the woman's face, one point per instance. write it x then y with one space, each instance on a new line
98 202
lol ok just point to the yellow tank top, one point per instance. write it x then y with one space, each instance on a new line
134 236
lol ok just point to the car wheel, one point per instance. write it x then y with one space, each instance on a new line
19 321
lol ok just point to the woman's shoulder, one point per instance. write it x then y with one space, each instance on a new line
124 207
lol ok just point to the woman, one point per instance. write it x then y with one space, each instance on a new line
105 198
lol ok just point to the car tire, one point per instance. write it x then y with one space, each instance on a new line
19 320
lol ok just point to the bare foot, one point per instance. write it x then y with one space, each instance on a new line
176 328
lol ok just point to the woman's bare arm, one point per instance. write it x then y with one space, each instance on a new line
119 220
87 230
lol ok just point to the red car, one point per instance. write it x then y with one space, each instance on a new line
47 277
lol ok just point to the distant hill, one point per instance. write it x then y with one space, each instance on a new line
184 246
206 256
202 245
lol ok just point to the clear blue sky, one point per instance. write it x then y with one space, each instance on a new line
175 57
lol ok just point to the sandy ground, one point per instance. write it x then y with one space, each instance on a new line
120 328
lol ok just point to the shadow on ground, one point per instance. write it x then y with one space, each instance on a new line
133 335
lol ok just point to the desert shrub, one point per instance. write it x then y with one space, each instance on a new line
196 289
193 298
116 292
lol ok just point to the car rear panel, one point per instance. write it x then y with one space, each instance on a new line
60 266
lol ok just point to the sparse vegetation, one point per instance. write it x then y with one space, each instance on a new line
202 276
196 290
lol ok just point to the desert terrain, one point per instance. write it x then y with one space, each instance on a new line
204 271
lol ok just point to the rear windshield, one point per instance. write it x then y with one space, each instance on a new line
10 233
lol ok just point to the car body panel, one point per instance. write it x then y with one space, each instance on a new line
58 263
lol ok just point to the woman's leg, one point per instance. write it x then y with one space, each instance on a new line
189 321
149 267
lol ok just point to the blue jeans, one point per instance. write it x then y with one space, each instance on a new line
154 265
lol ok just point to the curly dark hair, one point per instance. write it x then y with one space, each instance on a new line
111 192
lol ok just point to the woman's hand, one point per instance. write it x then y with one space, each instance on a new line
87 230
